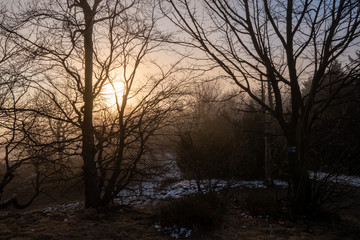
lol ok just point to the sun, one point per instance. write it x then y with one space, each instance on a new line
113 91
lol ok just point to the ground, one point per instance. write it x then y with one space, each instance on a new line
71 221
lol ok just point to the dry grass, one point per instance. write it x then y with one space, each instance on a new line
139 222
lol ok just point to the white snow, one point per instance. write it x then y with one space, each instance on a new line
64 207
335 178
176 232
149 191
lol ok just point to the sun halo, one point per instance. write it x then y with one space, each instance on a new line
110 90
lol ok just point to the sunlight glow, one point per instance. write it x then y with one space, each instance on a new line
110 90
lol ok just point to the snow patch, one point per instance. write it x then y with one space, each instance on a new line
64 207
146 192
341 179
176 232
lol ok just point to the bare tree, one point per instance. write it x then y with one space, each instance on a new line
13 134
80 48
288 43
28 159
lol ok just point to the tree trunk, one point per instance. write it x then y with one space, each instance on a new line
92 193
299 182
267 134
268 160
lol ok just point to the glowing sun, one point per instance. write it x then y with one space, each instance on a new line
113 91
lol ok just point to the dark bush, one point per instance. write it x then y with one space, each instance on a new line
196 212
263 202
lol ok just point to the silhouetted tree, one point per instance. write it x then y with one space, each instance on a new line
288 43
14 125
334 144
81 46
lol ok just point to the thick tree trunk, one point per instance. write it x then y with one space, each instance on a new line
92 193
299 182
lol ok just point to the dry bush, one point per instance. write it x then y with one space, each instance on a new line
264 202
196 212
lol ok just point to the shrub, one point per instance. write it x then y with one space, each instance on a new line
196 212
332 193
263 202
